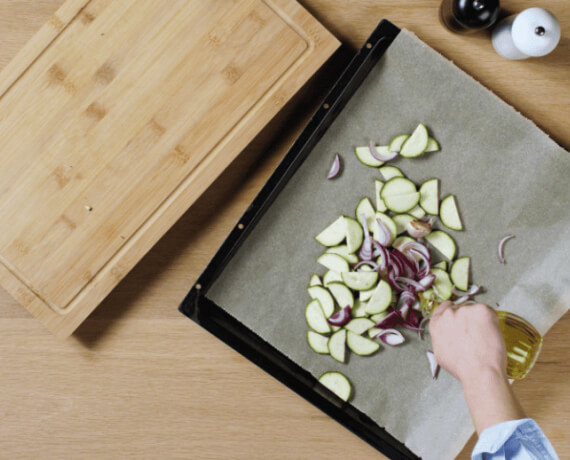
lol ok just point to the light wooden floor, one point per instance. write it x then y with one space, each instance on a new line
140 380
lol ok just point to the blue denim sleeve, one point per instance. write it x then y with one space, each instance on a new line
514 440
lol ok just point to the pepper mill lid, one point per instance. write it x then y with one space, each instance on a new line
536 32
476 14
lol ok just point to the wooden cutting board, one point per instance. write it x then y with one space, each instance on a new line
114 119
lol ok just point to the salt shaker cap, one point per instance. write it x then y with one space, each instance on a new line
535 32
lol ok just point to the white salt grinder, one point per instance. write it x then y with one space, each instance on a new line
534 32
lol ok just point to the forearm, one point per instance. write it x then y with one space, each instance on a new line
490 400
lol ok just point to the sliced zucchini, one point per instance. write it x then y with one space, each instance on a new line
396 143
365 208
402 203
337 345
359 325
315 281
365 157
388 172
379 317
318 342
418 212
380 206
442 265
361 345
342 251
397 186
449 214
334 234
359 309
443 243
325 299
381 298
354 234
334 262
401 220
316 318
365 295
373 332
331 277
416 144
429 196
442 283
337 383
360 281
432 146
341 294
459 273
401 240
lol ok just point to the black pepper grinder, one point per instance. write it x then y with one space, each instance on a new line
465 16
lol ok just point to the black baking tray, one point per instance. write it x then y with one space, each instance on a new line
213 318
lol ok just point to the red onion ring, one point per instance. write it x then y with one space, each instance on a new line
335 168
385 237
365 252
433 366
410 282
500 248
379 157
371 264
391 337
341 317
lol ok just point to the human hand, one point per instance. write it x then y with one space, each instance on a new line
467 341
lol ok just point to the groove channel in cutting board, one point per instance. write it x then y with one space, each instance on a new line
116 115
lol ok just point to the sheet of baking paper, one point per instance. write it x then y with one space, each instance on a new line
508 176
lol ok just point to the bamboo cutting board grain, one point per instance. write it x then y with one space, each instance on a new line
116 116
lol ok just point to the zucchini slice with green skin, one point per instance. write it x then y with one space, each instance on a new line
365 208
432 146
380 206
341 294
418 212
337 383
442 283
388 172
442 265
318 342
443 243
401 220
397 186
396 143
402 203
354 234
361 345
449 214
416 144
359 325
316 318
366 158
342 251
334 262
360 281
459 273
381 298
359 310
331 277
429 196
334 234
337 345
315 281
365 295
326 302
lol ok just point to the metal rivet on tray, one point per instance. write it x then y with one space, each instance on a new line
326 106
369 45
198 286
240 226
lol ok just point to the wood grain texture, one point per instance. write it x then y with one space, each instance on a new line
138 380
116 116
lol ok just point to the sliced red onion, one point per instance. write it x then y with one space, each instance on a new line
341 317
473 289
412 321
404 310
392 280
407 265
372 265
410 282
427 280
335 168
421 328
433 366
385 235
390 321
418 247
365 252
501 246
379 157
417 305
461 300
391 337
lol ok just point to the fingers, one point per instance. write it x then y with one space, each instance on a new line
442 307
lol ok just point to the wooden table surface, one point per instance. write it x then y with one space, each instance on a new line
140 380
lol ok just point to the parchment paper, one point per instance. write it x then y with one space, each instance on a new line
508 176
